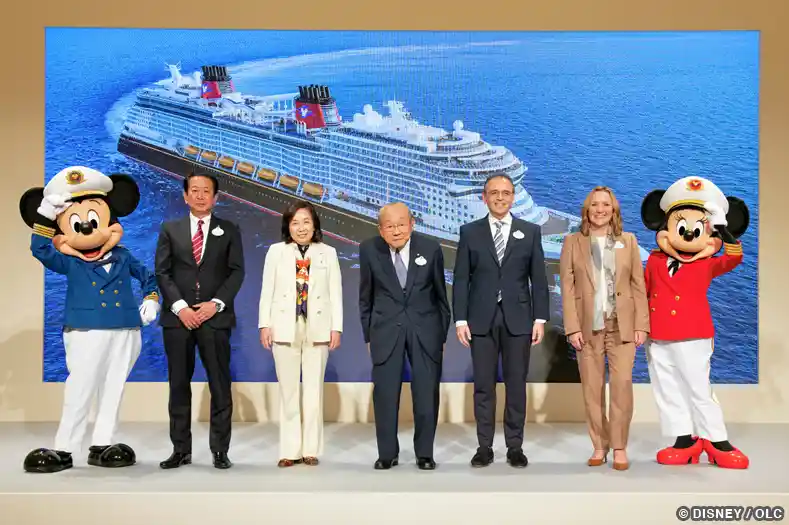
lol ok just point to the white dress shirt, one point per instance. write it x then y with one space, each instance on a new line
404 253
181 304
505 232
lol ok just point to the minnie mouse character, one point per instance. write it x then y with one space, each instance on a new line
693 220
76 234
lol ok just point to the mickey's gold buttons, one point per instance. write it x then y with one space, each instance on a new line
117 304
676 297
116 292
101 292
93 283
673 312
103 305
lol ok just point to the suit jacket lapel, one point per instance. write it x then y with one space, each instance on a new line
184 231
621 255
388 265
413 252
207 241
585 244
510 241
486 233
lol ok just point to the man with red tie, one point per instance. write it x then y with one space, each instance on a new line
199 268
693 220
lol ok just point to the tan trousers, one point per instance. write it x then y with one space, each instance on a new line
300 402
607 434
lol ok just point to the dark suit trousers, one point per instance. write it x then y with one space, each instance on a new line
387 383
515 351
214 348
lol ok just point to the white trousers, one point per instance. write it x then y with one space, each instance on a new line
680 377
298 402
99 363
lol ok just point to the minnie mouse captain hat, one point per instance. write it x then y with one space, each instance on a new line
78 181
693 191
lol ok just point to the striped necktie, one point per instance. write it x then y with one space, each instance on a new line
197 242
498 240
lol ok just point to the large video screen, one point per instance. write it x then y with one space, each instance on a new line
559 112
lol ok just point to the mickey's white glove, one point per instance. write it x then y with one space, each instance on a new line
717 217
53 205
149 309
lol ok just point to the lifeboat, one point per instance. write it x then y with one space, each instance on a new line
190 150
210 156
227 162
313 189
289 182
268 175
246 167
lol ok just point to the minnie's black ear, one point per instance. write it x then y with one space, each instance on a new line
738 217
28 207
125 195
651 214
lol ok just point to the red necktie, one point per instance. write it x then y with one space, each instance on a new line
197 242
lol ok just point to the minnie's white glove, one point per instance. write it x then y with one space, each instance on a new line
717 217
53 205
149 309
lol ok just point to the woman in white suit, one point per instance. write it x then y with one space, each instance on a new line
301 321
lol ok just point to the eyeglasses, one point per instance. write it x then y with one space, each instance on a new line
393 227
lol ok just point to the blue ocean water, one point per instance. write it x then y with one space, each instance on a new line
634 111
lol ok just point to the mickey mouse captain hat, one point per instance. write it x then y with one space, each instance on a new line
695 191
78 181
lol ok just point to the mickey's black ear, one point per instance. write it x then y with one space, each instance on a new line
738 217
28 207
651 214
125 195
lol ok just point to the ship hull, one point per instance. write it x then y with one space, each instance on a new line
352 226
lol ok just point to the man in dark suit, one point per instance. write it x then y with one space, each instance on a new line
496 312
200 268
404 312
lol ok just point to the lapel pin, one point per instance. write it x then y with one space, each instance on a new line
517 234
217 231
420 261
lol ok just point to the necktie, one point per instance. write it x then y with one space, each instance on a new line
498 240
673 266
402 273
197 242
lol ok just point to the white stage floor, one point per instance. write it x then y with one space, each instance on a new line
557 468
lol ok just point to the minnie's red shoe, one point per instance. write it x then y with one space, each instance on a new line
731 459
681 456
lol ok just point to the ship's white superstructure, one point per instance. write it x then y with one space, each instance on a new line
356 165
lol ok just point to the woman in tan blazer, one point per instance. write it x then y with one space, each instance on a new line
300 320
605 314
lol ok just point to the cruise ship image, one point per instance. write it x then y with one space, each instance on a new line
272 150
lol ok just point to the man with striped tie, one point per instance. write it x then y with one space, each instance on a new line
200 268
500 303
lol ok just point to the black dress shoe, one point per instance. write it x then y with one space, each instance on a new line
483 457
385 464
221 460
176 459
425 463
47 461
112 456
517 458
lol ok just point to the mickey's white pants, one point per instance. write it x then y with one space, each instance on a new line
99 363
680 377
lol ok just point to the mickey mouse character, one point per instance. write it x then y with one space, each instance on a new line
693 220
76 234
